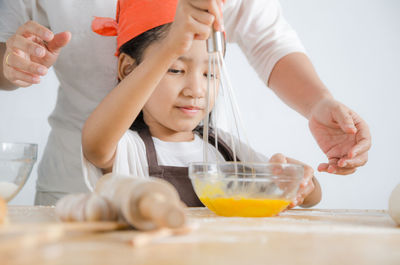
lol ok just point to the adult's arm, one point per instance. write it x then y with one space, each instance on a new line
295 81
274 50
340 132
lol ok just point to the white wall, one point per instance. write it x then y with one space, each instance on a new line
355 48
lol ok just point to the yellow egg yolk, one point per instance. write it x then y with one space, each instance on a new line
245 207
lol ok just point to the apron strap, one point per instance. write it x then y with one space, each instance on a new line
151 154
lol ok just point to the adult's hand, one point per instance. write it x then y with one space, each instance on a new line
30 52
342 135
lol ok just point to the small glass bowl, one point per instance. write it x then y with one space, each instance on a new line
16 162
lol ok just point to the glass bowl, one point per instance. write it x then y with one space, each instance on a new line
16 162
246 189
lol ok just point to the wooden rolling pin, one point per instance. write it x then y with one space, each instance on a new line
146 204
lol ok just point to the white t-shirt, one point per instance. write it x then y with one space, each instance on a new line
131 160
86 67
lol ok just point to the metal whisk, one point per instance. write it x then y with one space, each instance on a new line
225 115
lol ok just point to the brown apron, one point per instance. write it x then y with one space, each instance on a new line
179 176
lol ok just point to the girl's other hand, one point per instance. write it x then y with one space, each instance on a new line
307 185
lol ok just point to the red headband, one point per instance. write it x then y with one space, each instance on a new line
135 17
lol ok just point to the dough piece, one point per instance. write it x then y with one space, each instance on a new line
85 207
99 208
394 204
3 211
70 207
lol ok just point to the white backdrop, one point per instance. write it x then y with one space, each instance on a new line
354 46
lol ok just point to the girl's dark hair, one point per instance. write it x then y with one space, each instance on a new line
135 48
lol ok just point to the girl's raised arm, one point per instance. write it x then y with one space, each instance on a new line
114 115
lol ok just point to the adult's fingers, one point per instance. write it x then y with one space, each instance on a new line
357 161
35 29
361 147
332 167
20 78
335 169
20 83
329 167
18 42
323 167
363 138
59 41
18 63
343 117
344 171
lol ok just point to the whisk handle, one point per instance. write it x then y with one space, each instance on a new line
215 41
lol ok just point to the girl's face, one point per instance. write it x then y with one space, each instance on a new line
178 103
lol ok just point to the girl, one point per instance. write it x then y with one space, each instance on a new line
146 126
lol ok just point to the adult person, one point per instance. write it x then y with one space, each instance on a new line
29 47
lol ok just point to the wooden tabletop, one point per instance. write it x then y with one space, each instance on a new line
295 237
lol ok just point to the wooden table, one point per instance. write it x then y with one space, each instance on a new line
295 237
